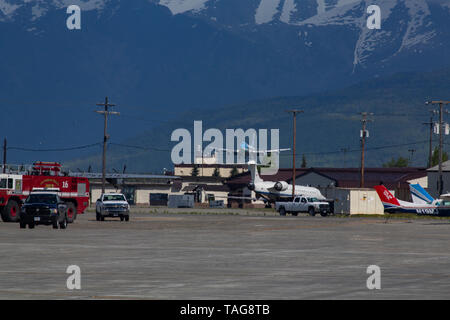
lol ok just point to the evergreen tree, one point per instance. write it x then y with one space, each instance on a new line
234 172
435 157
303 161
396 163
216 172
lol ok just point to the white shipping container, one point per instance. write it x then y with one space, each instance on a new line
181 201
357 201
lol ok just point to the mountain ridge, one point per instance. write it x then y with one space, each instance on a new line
330 124
156 65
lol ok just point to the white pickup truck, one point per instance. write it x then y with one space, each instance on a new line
303 204
112 205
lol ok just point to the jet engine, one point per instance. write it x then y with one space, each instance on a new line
281 186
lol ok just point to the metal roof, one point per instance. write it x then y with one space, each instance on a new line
445 166
344 177
95 175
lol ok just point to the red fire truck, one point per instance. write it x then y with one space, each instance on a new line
16 185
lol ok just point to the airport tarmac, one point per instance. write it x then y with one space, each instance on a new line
223 256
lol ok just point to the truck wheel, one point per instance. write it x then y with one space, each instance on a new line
31 226
11 213
71 212
63 224
127 218
295 214
282 211
323 214
311 211
122 218
23 225
55 224
97 216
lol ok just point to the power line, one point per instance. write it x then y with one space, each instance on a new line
139 147
54 149
150 148
358 150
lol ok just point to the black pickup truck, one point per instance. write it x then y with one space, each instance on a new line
43 208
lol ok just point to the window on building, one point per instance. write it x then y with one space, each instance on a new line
159 199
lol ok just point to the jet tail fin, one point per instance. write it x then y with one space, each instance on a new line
419 195
254 172
386 197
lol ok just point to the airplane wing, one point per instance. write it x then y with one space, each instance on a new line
228 150
270 151
277 193
252 150
239 198
276 150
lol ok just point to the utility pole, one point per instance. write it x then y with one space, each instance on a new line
430 123
4 155
412 155
363 134
344 150
294 113
441 104
105 113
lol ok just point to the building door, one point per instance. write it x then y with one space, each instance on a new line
130 193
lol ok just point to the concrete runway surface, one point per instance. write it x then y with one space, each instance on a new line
221 256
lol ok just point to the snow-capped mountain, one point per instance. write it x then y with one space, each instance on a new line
35 9
160 57
213 52
407 24
301 28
